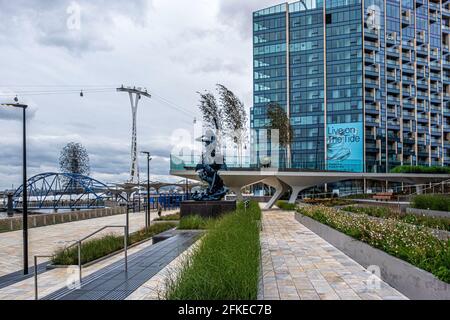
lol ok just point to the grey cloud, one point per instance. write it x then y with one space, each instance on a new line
219 65
238 13
9 113
46 21
111 161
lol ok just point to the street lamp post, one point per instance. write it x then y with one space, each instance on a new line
25 187
147 213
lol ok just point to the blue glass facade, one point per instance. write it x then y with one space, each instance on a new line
365 83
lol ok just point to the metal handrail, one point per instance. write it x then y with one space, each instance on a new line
36 292
78 244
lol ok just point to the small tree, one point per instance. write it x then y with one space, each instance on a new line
212 113
74 159
235 118
278 120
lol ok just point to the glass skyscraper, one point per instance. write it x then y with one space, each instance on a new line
365 83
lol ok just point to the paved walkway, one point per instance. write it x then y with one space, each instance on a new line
299 265
114 283
45 240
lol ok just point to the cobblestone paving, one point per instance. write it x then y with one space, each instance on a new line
299 265
45 240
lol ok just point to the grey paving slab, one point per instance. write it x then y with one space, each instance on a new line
299 265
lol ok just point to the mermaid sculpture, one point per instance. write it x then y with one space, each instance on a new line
208 171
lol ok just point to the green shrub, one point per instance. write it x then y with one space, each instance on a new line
331 202
421 169
284 205
225 265
432 202
97 248
414 244
194 222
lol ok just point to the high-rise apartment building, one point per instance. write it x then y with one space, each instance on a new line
365 83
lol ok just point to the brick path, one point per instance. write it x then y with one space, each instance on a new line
299 265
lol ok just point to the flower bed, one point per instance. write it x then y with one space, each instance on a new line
414 244
98 248
386 213
225 265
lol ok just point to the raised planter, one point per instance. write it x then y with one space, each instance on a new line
431 213
413 282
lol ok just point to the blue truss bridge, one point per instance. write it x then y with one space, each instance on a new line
64 191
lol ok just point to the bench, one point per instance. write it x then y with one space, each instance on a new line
387 196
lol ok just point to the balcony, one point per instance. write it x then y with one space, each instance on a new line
392 88
435 67
406 18
435 76
408 80
391 76
446 64
422 50
370 33
371 46
408 69
372 122
422 84
369 58
422 129
408 105
372 109
409 141
436 98
422 107
372 71
393 100
422 61
409 115
436 131
393 52
369 97
422 95
372 84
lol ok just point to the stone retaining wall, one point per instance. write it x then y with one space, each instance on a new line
42 220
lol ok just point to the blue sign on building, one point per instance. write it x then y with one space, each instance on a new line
345 146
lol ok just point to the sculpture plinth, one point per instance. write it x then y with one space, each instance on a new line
207 209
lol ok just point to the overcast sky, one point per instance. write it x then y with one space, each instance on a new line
174 48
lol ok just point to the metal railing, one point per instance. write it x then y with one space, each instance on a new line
78 244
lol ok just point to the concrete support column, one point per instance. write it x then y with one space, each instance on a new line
238 192
280 189
295 192
419 189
